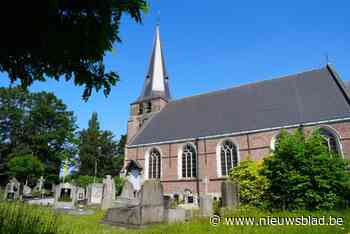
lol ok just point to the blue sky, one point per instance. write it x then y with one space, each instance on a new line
210 46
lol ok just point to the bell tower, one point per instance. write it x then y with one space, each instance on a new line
155 92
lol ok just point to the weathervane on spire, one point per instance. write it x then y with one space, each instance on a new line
327 58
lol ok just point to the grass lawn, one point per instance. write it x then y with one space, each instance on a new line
90 224
18 218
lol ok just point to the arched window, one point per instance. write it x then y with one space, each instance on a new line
330 140
189 161
228 157
154 162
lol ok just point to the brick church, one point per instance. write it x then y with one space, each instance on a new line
190 144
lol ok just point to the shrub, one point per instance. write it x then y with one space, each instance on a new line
217 207
304 174
2 193
252 184
119 183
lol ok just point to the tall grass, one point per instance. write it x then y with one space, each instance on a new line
18 218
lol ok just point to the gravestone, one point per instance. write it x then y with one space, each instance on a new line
108 196
94 194
206 205
40 184
80 194
152 202
176 215
229 194
39 187
190 199
173 214
12 190
128 197
167 202
149 210
128 190
65 196
27 191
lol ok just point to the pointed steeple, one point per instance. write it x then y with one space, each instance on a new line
156 82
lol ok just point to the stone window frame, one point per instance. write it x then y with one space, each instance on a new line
218 155
336 135
326 127
274 140
276 136
147 158
179 160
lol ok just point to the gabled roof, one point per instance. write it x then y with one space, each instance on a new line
156 81
312 96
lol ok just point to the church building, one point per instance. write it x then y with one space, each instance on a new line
190 144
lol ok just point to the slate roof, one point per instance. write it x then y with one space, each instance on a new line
147 92
311 96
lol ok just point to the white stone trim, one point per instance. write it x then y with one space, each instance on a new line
147 154
179 159
336 134
273 141
218 155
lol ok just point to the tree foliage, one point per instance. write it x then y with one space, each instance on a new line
119 183
25 167
252 184
97 147
38 124
118 161
84 181
304 174
63 39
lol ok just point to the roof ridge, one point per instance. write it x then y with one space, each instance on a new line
246 84
340 83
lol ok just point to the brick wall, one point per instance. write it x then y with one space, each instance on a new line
257 145
136 119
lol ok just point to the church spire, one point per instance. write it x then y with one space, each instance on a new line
156 82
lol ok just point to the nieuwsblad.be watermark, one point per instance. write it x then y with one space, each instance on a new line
275 221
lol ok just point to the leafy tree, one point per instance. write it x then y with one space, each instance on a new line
38 124
252 184
118 161
89 146
121 145
84 181
108 154
25 167
119 183
304 174
63 39
97 148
